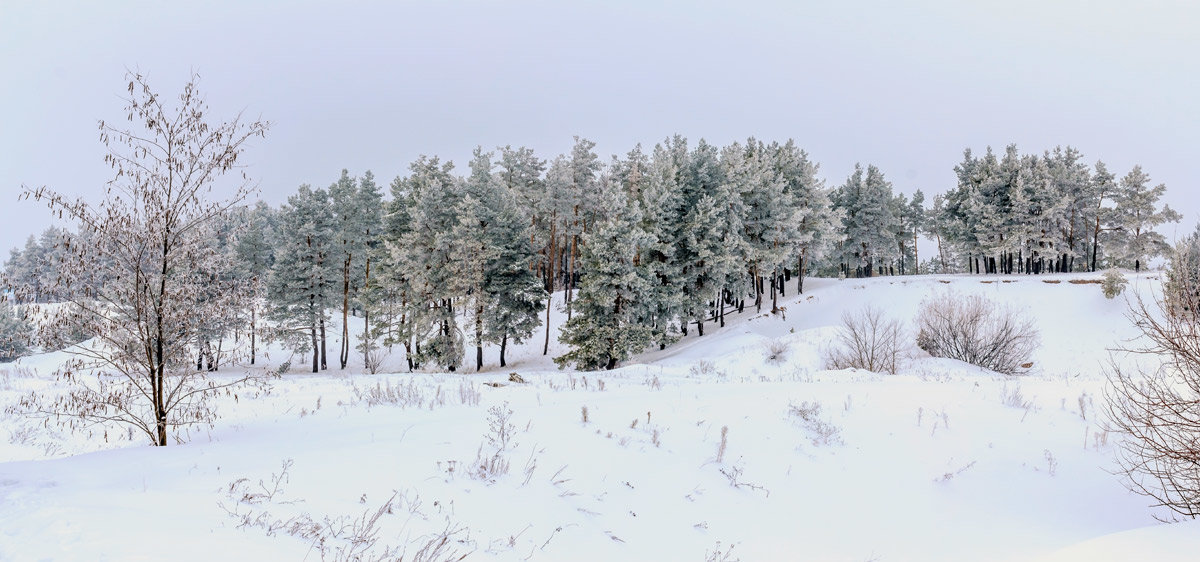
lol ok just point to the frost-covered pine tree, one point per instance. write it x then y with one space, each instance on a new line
1073 181
15 332
424 254
255 256
703 249
305 279
516 295
388 295
368 224
1105 186
771 221
868 222
818 224
474 252
357 214
521 173
605 329
663 210
1133 239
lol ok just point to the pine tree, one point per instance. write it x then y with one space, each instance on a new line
1105 187
302 285
15 332
424 254
389 294
516 295
475 252
605 329
701 247
1136 214
817 222
369 226
255 256
521 174
772 220
663 210
869 221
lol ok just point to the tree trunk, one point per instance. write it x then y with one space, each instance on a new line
549 300
774 294
316 350
324 365
344 352
571 274
253 331
503 346
479 337
367 341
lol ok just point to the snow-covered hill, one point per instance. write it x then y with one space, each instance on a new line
704 451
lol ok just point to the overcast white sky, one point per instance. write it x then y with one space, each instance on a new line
363 85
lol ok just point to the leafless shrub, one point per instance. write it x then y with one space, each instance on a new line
493 461
820 431
468 394
583 414
342 538
373 360
405 395
775 351
868 340
703 369
975 330
1013 397
1051 462
734 475
719 555
1158 409
948 476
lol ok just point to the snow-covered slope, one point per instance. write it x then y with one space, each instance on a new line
703 451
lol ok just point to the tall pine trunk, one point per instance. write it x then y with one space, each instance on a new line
253 332
316 363
366 316
479 337
503 346
324 364
344 353
550 284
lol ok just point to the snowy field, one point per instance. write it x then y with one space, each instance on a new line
705 451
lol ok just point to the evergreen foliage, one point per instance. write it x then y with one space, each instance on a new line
15 332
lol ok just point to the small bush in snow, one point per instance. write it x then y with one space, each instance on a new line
703 369
1012 397
398 394
775 351
821 431
1113 284
868 340
975 330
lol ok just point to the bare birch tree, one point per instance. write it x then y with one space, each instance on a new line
145 277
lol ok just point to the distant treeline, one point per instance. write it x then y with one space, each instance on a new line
645 247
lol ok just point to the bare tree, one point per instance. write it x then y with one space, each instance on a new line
145 276
1159 409
868 340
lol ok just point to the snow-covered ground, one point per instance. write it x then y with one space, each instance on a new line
704 451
